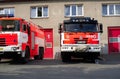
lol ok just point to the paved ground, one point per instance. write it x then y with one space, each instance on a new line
55 69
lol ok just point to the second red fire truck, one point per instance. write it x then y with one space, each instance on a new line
80 37
20 40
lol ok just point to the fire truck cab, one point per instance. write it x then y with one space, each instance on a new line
20 40
80 37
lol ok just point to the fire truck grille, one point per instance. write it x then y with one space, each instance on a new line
2 42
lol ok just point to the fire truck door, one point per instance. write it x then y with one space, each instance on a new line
49 44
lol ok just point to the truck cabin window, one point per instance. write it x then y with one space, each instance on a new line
80 27
9 25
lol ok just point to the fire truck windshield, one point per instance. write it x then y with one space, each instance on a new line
9 25
75 27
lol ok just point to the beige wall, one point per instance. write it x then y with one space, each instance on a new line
56 16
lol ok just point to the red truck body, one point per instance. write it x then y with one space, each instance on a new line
21 40
80 37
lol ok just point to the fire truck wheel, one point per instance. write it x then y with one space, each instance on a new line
66 57
27 56
41 54
95 57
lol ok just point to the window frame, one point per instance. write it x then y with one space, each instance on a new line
77 9
9 10
36 12
108 10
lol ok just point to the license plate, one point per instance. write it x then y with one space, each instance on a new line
1 49
81 42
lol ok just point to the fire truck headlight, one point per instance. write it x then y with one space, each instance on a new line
65 47
15 48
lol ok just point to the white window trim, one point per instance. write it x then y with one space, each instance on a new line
108 9
82 10
76 11
36 12
114 9
36 15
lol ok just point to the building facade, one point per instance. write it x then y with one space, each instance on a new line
49 13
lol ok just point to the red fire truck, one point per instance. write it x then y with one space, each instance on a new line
20 40
80 37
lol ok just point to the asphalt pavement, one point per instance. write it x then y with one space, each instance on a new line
109 68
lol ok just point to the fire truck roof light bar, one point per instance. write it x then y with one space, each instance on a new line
81 19
6 15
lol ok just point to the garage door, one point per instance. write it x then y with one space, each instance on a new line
114 39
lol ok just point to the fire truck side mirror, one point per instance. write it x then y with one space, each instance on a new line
24 27
28 29
100 28
60 28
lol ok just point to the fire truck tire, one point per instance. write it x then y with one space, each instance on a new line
66 57
95 57
27 56
41 54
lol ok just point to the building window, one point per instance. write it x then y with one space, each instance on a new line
39 12
111 9
9 11
73 10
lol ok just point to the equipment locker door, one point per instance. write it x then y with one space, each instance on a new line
49 44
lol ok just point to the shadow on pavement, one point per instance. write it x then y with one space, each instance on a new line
111 59
107 60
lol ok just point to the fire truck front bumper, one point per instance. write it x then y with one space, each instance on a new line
9 51
81 48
